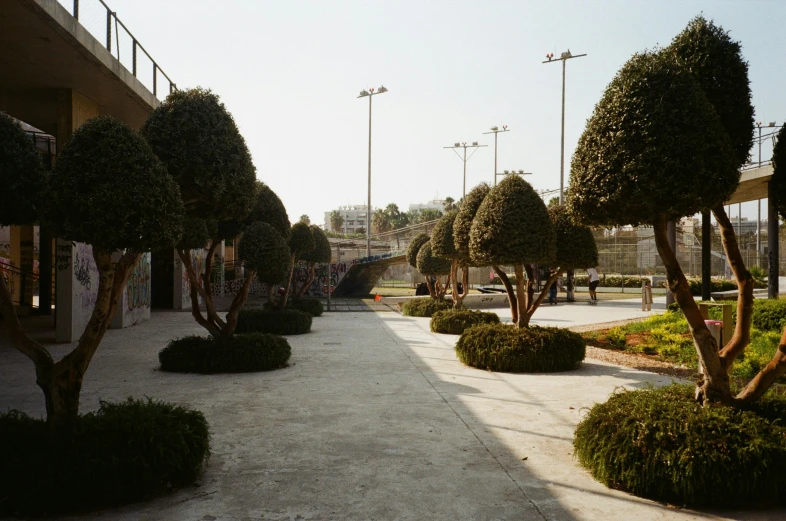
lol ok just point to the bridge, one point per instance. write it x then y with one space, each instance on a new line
364 274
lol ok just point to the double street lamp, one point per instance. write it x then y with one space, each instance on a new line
496 130
369 94
464 159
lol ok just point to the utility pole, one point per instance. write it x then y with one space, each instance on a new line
370 94
564 57
464 159
495 131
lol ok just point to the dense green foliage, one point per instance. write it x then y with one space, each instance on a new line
612 281
21 175
535 349
661 444
301 239
109 190
414 247
268 208
576 247
264 250
123 452
455 321
779 172
424 307
512 226
198 141
462 225
285 321
769 315
195 234
716 61
312 306
654 149
240 353
429 264
442 243
321 253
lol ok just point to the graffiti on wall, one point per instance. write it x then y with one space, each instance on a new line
198 262
138 285
84 291
318 287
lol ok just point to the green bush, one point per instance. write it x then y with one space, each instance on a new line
424 307
501 347
312 306
611 281
660 444
242 353
275 320
769 315
124 452
455 321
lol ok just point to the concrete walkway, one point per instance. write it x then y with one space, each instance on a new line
374 419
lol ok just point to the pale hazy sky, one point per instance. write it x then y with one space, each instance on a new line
290 71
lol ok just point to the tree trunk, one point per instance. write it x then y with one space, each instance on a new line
522 296
285 296
271 288
237 305
714 384
535 303
430 287
309 279
454 289
512 301
196 290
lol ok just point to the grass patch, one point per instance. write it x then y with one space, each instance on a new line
424 307
502 347
275 321
660 444
243 353
455 321
123 452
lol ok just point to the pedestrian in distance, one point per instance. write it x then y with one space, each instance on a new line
594 280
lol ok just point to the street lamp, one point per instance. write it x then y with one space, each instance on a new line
495 130
465 146
369 94
565 56
510 172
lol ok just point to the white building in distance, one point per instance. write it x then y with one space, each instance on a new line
355 216
436 204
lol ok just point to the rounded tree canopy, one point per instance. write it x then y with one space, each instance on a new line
21 175
463 223
576 247
195 234
199 143
415 244
264 250
512 226
301 240
779 172
442 237
321 252
429 264
716 61
654 149
268 208
109 190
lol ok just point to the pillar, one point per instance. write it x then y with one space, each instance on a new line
77 289
45 267
671 232
706 255
772 242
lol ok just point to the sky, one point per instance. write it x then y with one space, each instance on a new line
290 73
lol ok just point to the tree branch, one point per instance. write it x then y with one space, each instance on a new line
194 287
512 301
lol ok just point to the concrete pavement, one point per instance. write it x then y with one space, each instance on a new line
374 419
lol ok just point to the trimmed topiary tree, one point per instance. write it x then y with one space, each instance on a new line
199 143
576 247
462 225
432 266
415 244
22 175
424 307
278 321
301 242
443 246
249 352
455 321
512 226
321 254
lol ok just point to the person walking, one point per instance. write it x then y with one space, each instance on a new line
594 280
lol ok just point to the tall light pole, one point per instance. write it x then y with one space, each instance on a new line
565 56
510 172
464 159
495 131
370 94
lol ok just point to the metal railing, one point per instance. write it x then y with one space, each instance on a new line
100 21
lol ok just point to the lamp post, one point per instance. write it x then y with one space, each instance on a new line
369 94
565 56
464 159
495 131
510 172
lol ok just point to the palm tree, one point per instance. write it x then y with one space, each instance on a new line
305 219
381 221
450 204
336 221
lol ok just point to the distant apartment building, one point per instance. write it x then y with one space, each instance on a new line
355 217
436 204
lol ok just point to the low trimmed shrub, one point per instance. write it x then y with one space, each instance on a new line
502 347
424 307
455 321
611 281
275 320
312 306
660 444
769 315
121 453
243 353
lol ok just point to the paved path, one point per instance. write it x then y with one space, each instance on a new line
374 419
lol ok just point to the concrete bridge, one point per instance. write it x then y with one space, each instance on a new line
363 275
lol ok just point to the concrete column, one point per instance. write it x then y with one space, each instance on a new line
671 232
77 289
706 255
26 265
45 272
772 242
134 306
15 251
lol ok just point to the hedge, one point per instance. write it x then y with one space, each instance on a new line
276 321
502 347
660 444
312 306
768 314
123 452
455 321
250 352
612 281
424 307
